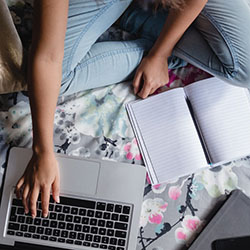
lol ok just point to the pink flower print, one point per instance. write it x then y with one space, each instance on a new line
174 192
158 188
152 211
132 150
191 225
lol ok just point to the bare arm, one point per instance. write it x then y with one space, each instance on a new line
153 69
44 79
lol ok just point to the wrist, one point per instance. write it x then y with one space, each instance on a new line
42 149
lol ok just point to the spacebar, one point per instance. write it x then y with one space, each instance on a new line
77 202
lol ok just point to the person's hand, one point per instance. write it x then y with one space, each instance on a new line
151 74
41 174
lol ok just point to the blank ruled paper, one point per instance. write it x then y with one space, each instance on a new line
167 136
223 114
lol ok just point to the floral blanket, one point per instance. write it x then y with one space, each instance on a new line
94 124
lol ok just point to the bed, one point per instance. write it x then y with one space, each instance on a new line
94 124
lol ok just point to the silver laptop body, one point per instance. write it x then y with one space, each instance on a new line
101 181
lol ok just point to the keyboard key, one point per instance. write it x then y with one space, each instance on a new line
114 217
94 230
32 229
103 246
126 210
69 241
61 217
95 245
51 207
64 234
37 221
113 241
13 218
17 202
52 238
52 216
110 207
69 218
39 230
45 223
85 220
61 240
93 222
90 213
72 235
58 208
13 226
121 242
39 214
86 244
36 236
62 225
13 211
102 231
10 232
105 240
124 218
98 214
120 225
24 228
85 229
110 232
120 234
20 211
74 210
56 232
78 228
118 208
77 219
53 224
97 238
101 223
29 220
21 219
27 235
44 237
111 248
80 236
89 237
100 206
70 226
66 209
109 224
106 216
19 234
77 242
48 231
82 212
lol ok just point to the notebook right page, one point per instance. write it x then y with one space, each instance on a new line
223 114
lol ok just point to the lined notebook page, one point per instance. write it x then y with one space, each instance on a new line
167 136
223 114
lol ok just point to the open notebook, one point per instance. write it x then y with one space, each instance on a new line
183 129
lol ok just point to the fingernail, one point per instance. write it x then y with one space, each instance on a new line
33 216
57 199
45 215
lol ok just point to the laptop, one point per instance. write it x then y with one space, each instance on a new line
100 204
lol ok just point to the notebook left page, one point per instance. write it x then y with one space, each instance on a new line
166 135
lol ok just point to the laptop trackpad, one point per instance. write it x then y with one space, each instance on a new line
78 177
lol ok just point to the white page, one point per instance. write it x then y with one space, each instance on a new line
167 135
223 114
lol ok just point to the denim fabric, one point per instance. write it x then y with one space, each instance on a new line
217 42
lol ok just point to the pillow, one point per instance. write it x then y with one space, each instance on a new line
11 55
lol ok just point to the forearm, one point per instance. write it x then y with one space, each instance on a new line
176 24
44 84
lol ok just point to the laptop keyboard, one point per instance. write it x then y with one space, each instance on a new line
87 223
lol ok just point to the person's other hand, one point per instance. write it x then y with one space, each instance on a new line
41 174
151 74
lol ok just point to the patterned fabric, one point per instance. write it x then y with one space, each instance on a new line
94 124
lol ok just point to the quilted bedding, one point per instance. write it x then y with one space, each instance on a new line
94 124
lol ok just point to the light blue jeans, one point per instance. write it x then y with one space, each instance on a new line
217 42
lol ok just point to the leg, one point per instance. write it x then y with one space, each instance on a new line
221 32
87 20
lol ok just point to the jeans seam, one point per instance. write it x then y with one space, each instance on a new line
74 47
227 41
106 54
